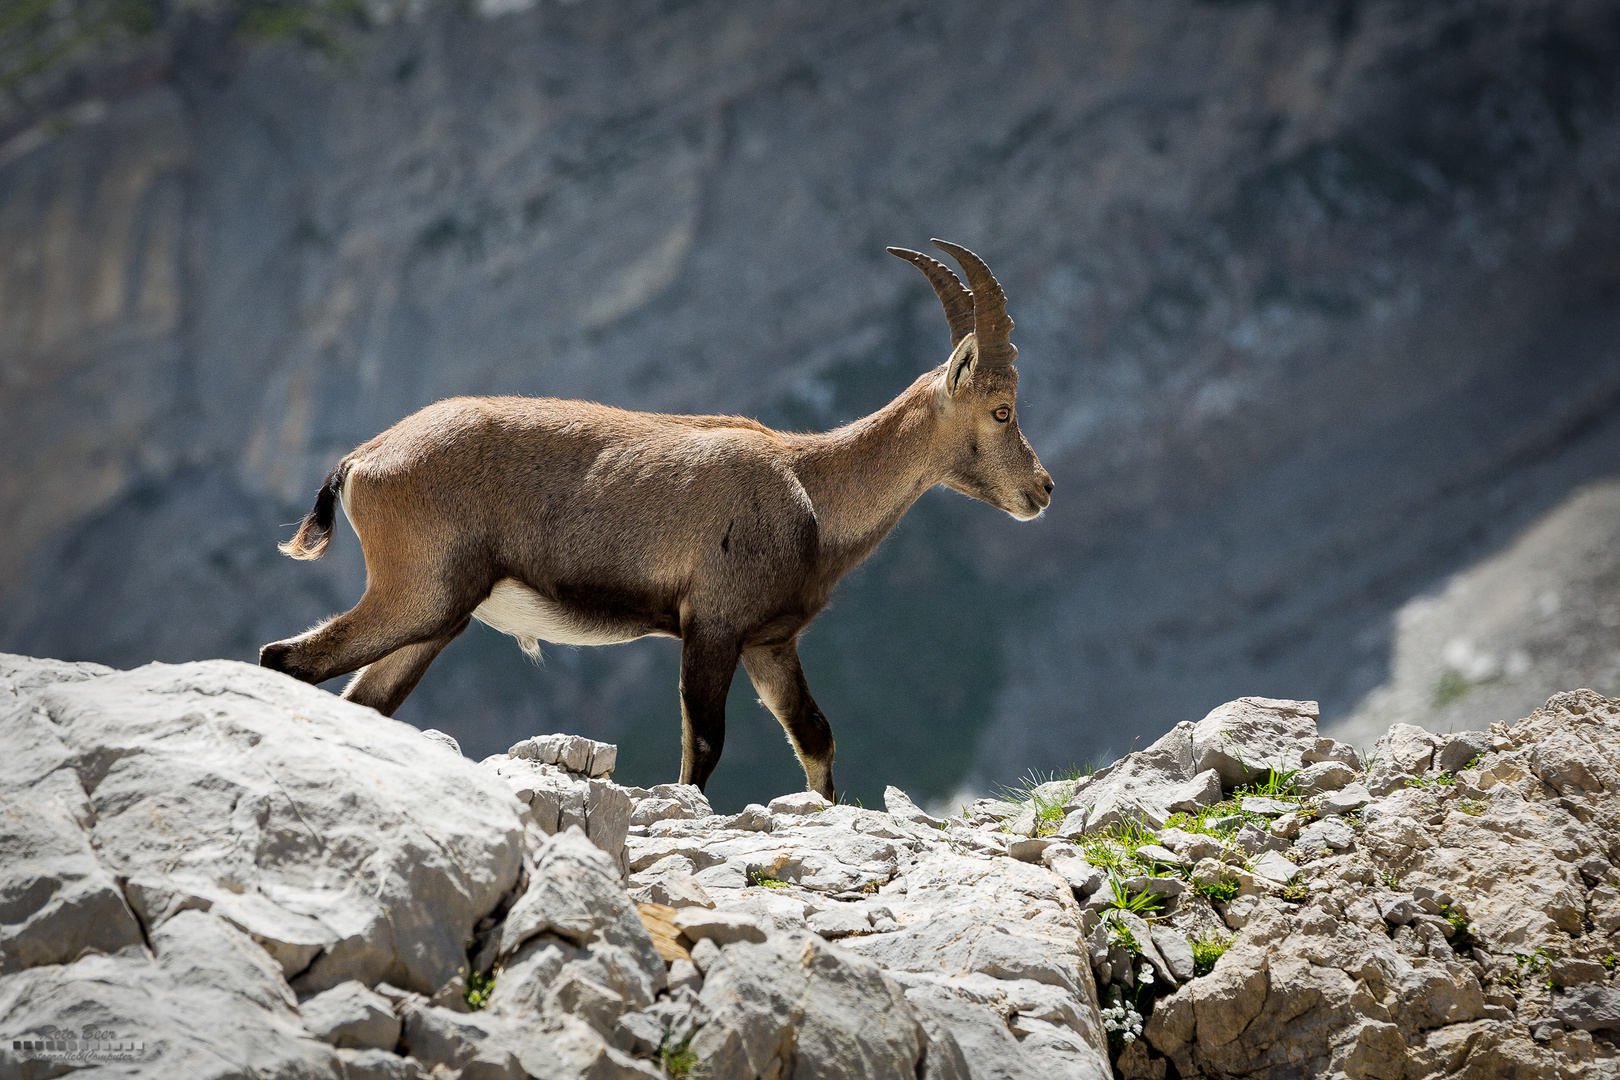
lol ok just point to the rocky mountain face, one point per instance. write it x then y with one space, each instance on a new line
1540 612
1316 303
210 865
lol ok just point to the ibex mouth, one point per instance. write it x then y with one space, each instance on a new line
1033 507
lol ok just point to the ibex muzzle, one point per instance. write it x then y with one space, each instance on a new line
575 523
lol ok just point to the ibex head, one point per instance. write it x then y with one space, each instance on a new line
985 455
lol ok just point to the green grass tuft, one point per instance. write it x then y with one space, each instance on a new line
1146 904
1048 808
1276 785
1208 949
1223 891
1120 935
679 1061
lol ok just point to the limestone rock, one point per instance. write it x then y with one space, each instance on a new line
574 753
444 739
1387 943
342 822
1458 749
840 920
669 802
574 893
1326 749
1314 992
1589 1007
1405 751
203 1000
349 1015
1242 739
1350 797
1148 786
799 1007
804 802
1274 866
899 805
722 927
1324 776
475 1045
379 1065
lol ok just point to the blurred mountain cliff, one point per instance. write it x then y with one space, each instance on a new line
1318 306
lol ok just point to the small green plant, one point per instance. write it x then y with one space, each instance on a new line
1537 964
1129 833
1208 949
1276 785
1390 880
1120 935
1114 847
1200 822
1295 892
479 987
678 1060
1223 891
1462 938
1471 807
759 877
1099 852
1610 961
1146 904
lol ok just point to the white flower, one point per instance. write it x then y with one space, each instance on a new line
1127 1038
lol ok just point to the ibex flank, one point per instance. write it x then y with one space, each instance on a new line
575 523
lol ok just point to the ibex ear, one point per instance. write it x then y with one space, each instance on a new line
959 368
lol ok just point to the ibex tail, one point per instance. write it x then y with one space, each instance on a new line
315 531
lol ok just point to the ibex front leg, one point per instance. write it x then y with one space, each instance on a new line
708 660
777 675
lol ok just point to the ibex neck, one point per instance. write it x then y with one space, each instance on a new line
864 476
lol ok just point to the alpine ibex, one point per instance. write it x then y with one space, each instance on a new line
575 523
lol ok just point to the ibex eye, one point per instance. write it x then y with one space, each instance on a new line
1003 414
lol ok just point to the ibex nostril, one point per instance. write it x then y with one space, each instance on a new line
1049 487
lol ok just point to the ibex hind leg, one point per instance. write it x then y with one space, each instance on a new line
385 684
777 675
384 621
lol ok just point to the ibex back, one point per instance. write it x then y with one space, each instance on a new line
572 522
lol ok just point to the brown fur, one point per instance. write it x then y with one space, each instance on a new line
716 530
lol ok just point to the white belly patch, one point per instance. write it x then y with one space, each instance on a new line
514 608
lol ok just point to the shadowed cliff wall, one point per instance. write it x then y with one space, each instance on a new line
1316 304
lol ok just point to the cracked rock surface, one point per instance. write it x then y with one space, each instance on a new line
209 870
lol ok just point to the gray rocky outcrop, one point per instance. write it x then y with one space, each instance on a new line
209 864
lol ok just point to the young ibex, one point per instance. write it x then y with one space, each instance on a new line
575 523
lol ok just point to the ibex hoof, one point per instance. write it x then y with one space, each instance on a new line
277 657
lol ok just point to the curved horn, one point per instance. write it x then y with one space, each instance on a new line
991 323
958 302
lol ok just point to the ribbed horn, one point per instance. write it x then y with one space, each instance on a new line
953 295
991 323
